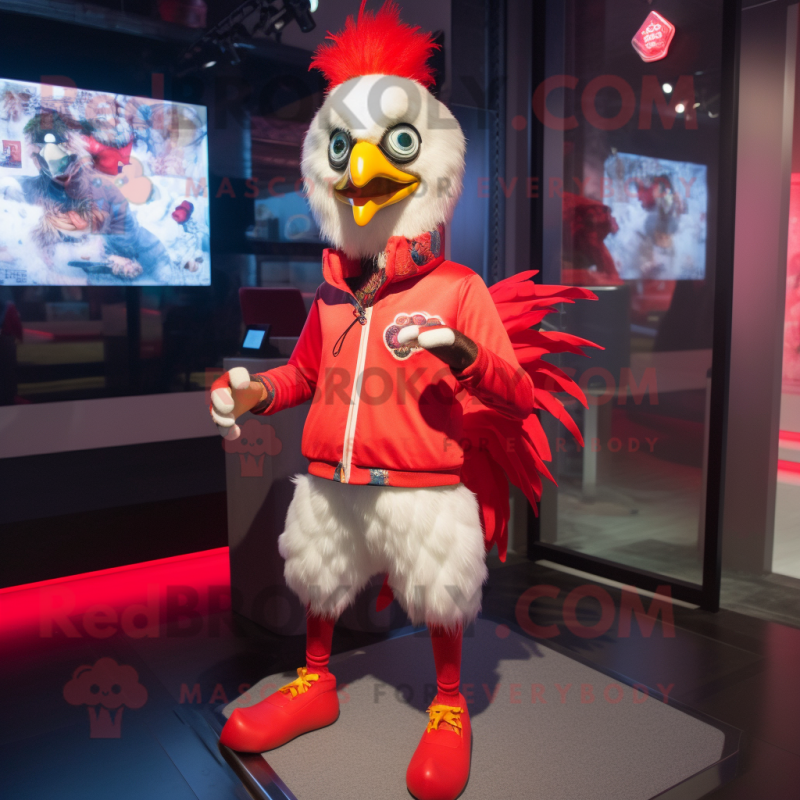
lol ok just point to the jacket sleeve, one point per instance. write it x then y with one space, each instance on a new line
294 383
495 377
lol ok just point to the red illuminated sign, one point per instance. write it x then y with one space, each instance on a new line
652 40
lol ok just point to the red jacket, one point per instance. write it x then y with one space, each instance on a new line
387 414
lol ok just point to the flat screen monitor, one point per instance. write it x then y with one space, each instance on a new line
660 208
256 342
253 339
101 189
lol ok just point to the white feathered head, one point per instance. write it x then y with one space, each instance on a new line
383 157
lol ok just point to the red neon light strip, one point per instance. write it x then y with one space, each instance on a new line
789 466
789 436
28 607
159 562
39 334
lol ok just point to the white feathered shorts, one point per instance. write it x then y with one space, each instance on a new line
428 540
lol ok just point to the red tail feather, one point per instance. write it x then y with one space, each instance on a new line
502 449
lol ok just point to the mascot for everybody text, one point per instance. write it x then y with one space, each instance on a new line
423 383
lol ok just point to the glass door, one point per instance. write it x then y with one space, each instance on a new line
634 129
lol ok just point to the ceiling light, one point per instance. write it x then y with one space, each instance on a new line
680 108
667 87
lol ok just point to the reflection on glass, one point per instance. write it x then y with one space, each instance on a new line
660 208
630 155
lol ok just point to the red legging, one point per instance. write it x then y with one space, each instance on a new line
319 635
446 654
447 657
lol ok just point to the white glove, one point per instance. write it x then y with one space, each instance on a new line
437 337
451 346
231 396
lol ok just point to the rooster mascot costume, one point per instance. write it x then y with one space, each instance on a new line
424 386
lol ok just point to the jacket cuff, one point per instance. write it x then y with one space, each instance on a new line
471 376
264 406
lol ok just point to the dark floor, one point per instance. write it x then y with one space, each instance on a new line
740 670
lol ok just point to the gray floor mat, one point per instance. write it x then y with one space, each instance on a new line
586 736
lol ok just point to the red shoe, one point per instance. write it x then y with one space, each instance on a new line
306 704
439 768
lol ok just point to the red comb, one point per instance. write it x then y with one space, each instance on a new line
378 43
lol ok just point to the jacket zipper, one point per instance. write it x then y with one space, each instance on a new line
355 398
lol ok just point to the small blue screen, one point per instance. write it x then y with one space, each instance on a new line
253 339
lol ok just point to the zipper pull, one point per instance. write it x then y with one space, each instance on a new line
360 313
360 316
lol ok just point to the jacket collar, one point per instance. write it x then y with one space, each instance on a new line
405 258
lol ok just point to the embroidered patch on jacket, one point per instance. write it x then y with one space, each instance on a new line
378 477
403 351
420 251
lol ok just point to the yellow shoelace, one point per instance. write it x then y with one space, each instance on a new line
301 684
451 715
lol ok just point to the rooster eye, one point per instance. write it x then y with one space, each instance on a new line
402 143
339 149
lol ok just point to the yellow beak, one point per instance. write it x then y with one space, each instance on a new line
372 182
